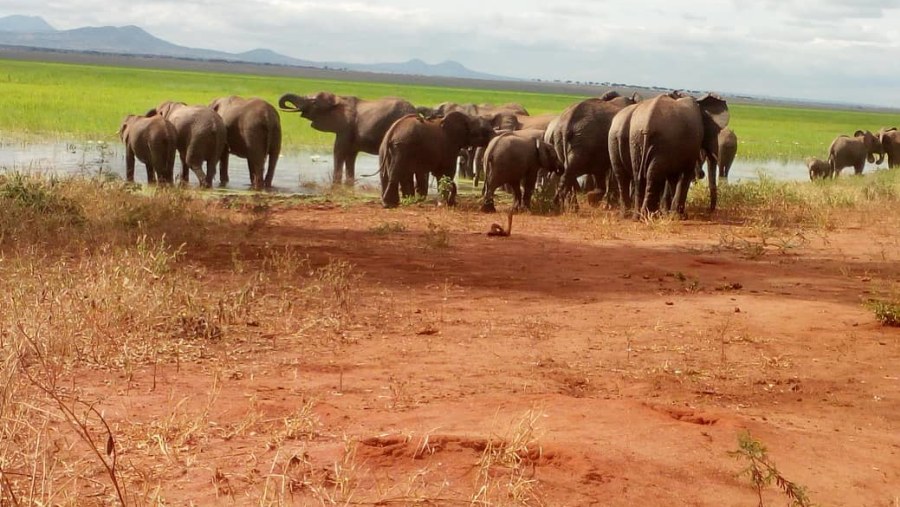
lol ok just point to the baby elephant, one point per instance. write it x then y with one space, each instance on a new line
514 159
819 169
153 141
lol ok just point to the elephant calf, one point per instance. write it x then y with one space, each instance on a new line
819 169
514 159
153 142
728 145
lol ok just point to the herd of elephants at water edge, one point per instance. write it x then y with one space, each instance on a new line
639 154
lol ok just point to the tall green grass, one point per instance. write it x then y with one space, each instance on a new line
88 102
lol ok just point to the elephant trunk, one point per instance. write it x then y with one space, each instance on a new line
880 158
713 189
292 103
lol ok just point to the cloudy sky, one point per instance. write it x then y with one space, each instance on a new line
833 50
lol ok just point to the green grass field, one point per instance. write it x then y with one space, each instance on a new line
80 102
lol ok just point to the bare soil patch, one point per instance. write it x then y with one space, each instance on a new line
582 361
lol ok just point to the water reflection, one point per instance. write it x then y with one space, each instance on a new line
299 172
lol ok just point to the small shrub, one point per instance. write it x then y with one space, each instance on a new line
445 187
762 471
887 312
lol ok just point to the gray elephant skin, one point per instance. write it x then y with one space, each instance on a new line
728 145
201 137
359 125
415 147
658 142
846 151
153 142
253 132
890 145
513 159
819 169
579 138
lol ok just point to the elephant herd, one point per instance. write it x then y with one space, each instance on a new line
640 154
854 151
644 154
248 128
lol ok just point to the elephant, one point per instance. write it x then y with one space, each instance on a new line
358 125
253 131
890 145
728 145
579 138
201 138
152 141
416 147
818 168
846 151
514 159
658 142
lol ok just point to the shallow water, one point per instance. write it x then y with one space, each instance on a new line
302 172
297 172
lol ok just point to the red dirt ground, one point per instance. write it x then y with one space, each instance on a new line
633 355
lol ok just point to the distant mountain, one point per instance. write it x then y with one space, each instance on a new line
132 40
25 24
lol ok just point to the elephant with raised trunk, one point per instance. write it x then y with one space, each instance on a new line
890 145
728 145
579 138
415 147
846 151
253 132
358 125
513 159
152 141
201 137
658 142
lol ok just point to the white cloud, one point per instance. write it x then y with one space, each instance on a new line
817 49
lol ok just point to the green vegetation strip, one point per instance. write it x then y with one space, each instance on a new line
80 102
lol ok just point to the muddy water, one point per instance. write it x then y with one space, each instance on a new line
297 172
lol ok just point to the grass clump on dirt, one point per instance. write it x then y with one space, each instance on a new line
887 312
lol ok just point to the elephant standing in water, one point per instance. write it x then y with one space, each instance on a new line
152 141
728 145
846 151
579 137
253 131
416 147
819 169
358 125
890 145
658 142
201 138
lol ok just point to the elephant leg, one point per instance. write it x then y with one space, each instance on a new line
681 192
210 172
655 186
151 173
184 170
198 171
255 166
223 168
350 169
858 168
407 185
669 192
129 165
528 184
390 198
422 184
517 196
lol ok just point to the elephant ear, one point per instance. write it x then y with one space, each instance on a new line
678 94
547 157
611 94
636 97
859 133
455 125
715 108
151 113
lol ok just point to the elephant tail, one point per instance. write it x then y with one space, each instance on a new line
274 148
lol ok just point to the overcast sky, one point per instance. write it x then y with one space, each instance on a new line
833 50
